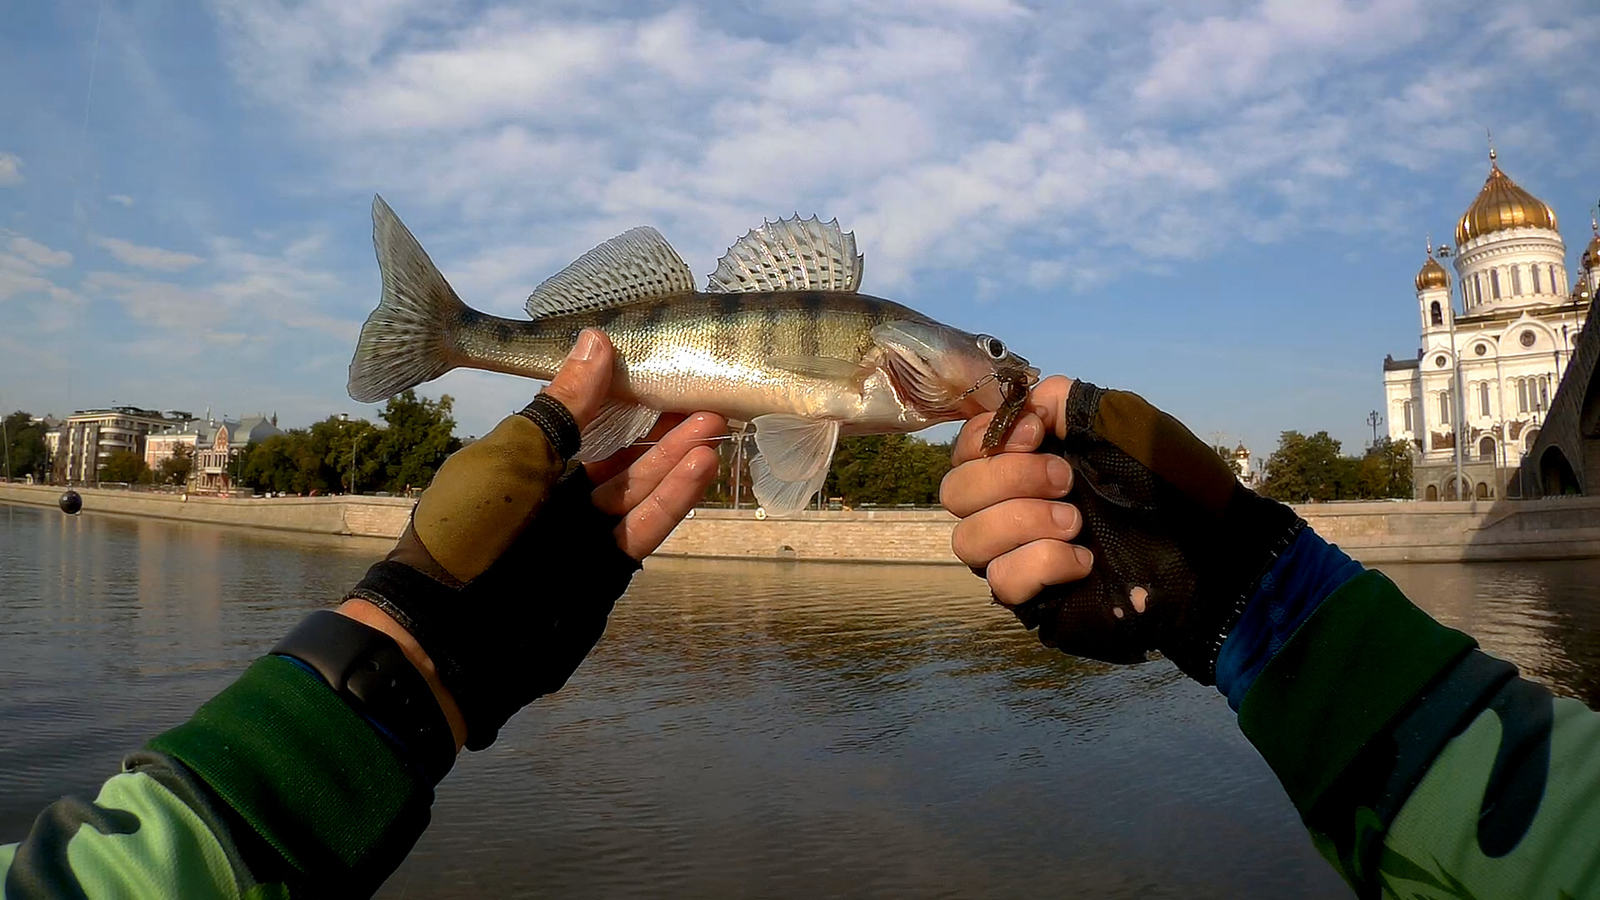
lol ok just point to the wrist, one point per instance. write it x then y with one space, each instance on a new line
371 616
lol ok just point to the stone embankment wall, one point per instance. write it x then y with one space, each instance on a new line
1556 528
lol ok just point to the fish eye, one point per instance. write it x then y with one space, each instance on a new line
992 346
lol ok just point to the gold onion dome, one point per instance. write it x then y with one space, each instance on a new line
1501 205
1432 275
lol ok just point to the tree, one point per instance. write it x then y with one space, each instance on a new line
175 469
1309 468
420 434
25 444
1385 470
124 466
887 468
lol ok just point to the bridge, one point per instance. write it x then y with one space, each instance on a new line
1565 459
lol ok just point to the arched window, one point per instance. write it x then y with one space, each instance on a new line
1486 448
1432 493
1494 283
1483 491
1533 435
1477 289
1436 314
1483 398
1444 407
1522 395
1406 408
1536 288
1516 281
1544 392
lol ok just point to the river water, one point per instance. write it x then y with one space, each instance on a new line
743 729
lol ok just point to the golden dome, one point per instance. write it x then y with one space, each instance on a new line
1432 275
1501 205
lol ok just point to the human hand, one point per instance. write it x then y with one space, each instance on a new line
1016 528
1178 545
506 604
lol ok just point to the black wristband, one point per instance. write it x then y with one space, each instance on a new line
367 668
555 420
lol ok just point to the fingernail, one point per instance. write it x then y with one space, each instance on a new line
588 344
1064 515
1085 558
1059 473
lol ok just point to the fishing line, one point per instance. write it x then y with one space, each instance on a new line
78 213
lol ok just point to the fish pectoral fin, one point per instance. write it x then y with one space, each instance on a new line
617 425
636 264
778 496
790 255
795 448
826 367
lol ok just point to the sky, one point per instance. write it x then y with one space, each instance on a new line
1220 205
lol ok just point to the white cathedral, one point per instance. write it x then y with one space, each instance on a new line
1482 380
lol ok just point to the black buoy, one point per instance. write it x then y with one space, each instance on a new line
71 503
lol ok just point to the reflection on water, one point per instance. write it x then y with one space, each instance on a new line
743 728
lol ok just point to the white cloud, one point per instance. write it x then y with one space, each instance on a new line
10 169
121 199
38 254
143 257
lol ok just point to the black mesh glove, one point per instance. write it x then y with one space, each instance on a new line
519 630
1161 511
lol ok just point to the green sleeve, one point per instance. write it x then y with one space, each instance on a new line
1423 767
273 787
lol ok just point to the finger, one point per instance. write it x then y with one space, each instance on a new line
1026 436
649 522
1048 401
974 485
1002 528
606 469
1019 576
585 376
620 494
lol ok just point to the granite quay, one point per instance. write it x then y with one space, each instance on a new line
1373 532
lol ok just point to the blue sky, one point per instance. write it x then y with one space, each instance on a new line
1218 204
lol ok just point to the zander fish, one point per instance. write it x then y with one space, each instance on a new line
779 339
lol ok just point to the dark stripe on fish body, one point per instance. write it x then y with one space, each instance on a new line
769 329
811 304
728 307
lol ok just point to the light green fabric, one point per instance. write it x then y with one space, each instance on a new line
169 852
1432 847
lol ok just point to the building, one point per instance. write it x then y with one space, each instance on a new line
1481 383
90 436
215 462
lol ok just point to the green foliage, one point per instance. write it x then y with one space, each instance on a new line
319 459
1312 468
25 443
125 466
420 435
886 469
175 469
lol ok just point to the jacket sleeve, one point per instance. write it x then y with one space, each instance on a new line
274 788
1423 767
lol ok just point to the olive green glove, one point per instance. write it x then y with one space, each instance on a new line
1179 544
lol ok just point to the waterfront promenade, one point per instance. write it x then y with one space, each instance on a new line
1373 532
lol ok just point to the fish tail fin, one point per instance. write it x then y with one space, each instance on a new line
411 337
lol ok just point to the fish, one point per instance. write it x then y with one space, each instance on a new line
780 340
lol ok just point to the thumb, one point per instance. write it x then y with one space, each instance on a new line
585 377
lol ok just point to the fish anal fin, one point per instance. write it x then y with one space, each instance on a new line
636 264
790 255
617 425
795 448
779 497
826 367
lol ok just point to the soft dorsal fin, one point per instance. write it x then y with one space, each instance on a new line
790 255
635 264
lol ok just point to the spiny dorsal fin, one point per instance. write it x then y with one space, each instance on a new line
790 255
635 264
